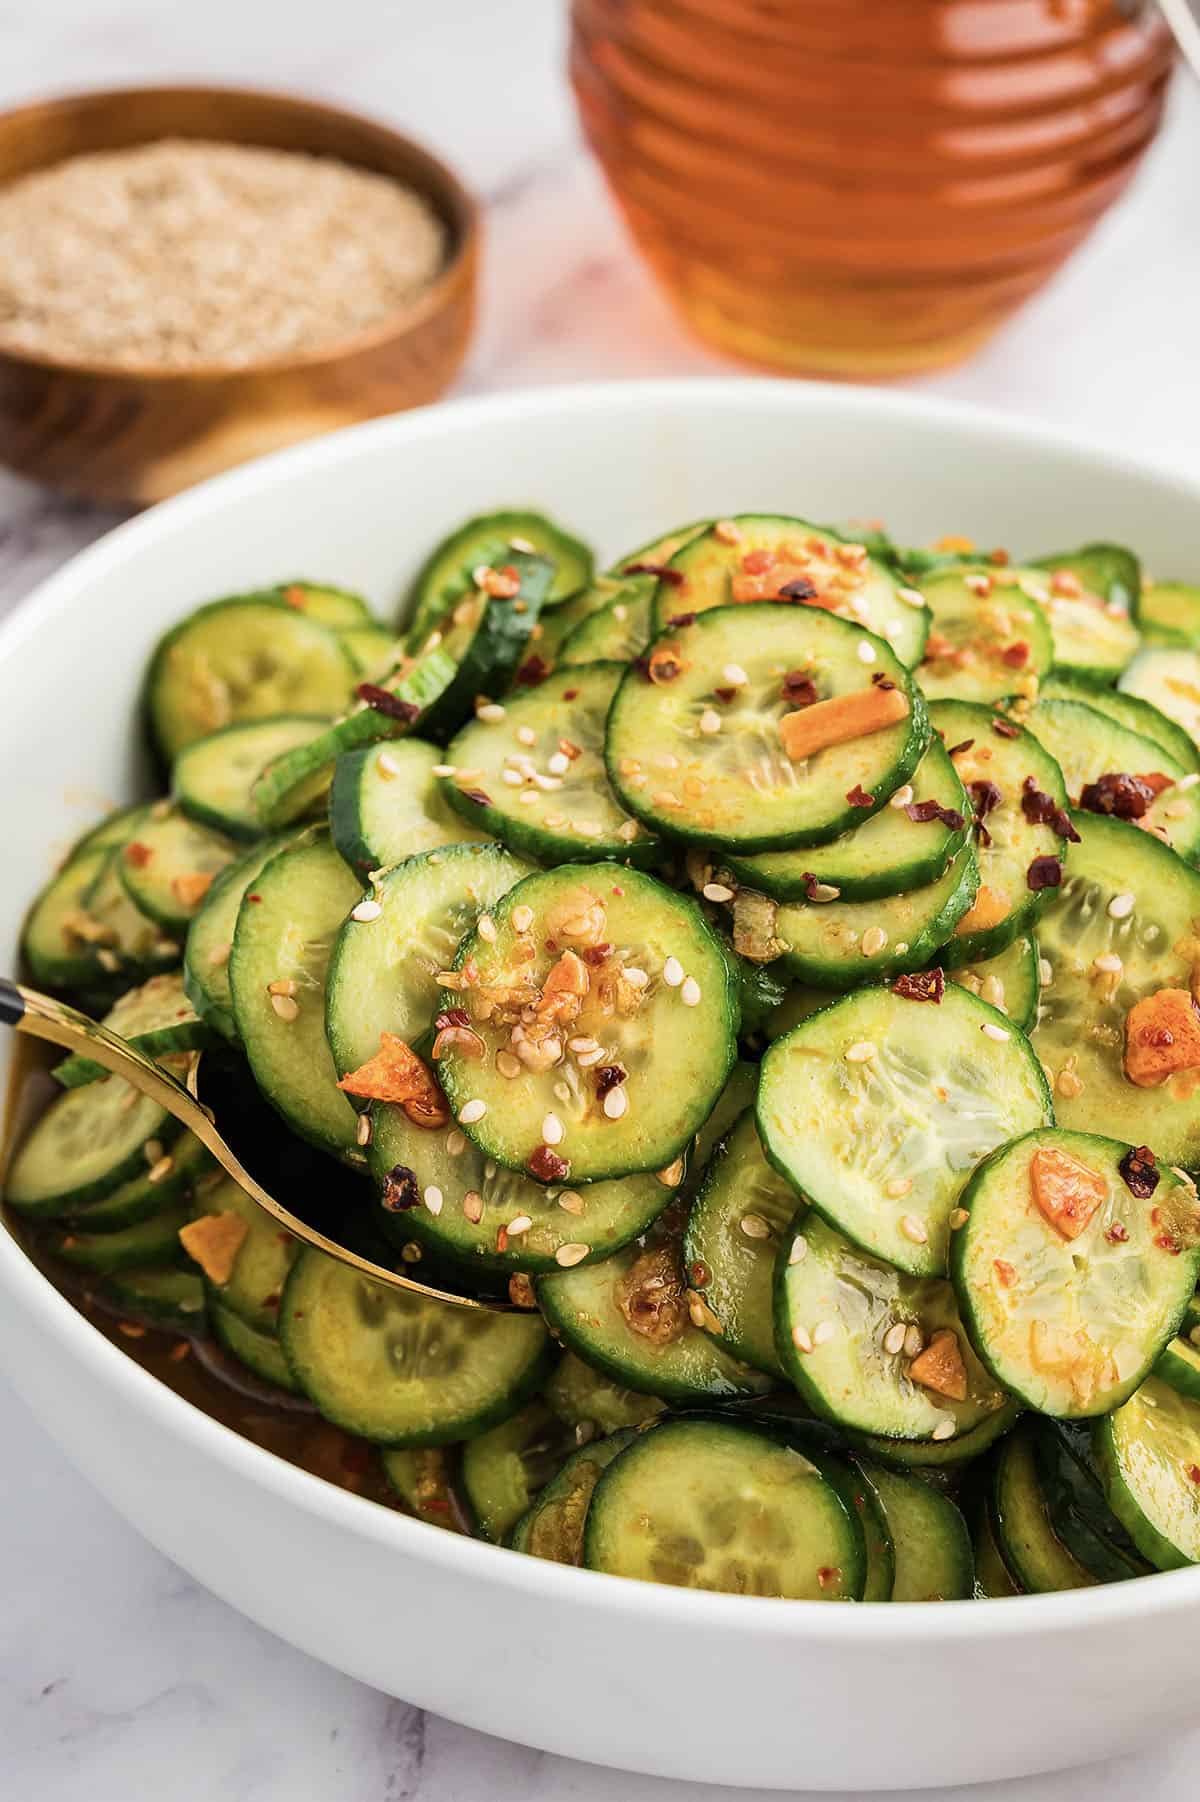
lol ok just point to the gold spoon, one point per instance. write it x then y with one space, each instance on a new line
41 1018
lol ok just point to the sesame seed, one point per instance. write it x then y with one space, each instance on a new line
671 1175
584 1045
491 713
823 1332
701 1315
665 797
823 891
220 956
991 1031
893 1339
522 918
520 1223
362 1131
957 1218
902 796
285 1007
456 1144
283 985
472 1206
1188 781
528 797
489 1170
628 832
1067 1084
512 778
620 612
387 766
473 1111
943 1430
571 1201
571 1253
873 941
635 977
866 652
585 1059
861 1053
547 784
562 1090
734 676
672 972
716 891
433 1199
558 764
1121 906
522 544
689 994
615 1104
710 722
526 735
1109 964
911 597
1045 971
553 1131
507 1065
726 532
799 1250
443 769
898 1186
802 1338
108 960
485 926
366 910
755 1227
913 1342
913 1229
161 1169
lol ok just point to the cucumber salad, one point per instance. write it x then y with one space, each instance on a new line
767 968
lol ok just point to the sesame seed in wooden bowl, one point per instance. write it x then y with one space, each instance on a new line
193 276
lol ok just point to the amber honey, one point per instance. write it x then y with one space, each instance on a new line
863 188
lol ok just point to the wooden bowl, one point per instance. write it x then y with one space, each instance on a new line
116 434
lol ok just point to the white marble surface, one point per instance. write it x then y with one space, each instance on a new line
119 1678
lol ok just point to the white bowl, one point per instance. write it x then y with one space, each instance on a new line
737 1691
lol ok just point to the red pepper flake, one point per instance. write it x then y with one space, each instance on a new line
400 1191
802 589
382 700
1192 1472
477 795
678 621
1016 656
1117 793
985 798
254 897
1139 1171
271 1301
570 694
1117 1234
547 1166
453 1016
964 744
1165 1242
858 797
799 689
1043 810
921 985
1156 780
1006 1276
883 682
138 855
1044 872
1005 728
664 664
725 694
595 954
672 577
757 563
699 1275
609 1076
535 669
829 1573
921 812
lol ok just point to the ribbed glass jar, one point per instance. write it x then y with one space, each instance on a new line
863 188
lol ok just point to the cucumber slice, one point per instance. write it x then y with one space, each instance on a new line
1076 1506
699 754
285 929
993 1579
295 784
1010 981
1029 1546
486 639
645 563
553 1525
259 1352
893 852
931 1546
617 633
881 1553
86 1144
340 608
757 556
169 868
399 1368
674 1040
878 1108
534 776
737 1095
213 777
263 1261
1091 604
990 635
424 1477
1147 1453
839 943
1169 678
210 938
591 1405
1021 825
84 936
554 627
1171 607
383 969
714 1504
1128 711
167 1297
373 650
1080 1034
504 1468
491 541
1179 1367
940 1458
157 1018
1073 1324
115 828
386 804
142 1246
736 1225
463 1204
178 1175
1087 747
852 1334
241 659
635 1318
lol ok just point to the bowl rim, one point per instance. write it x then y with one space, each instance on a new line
440 185
1162 1594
